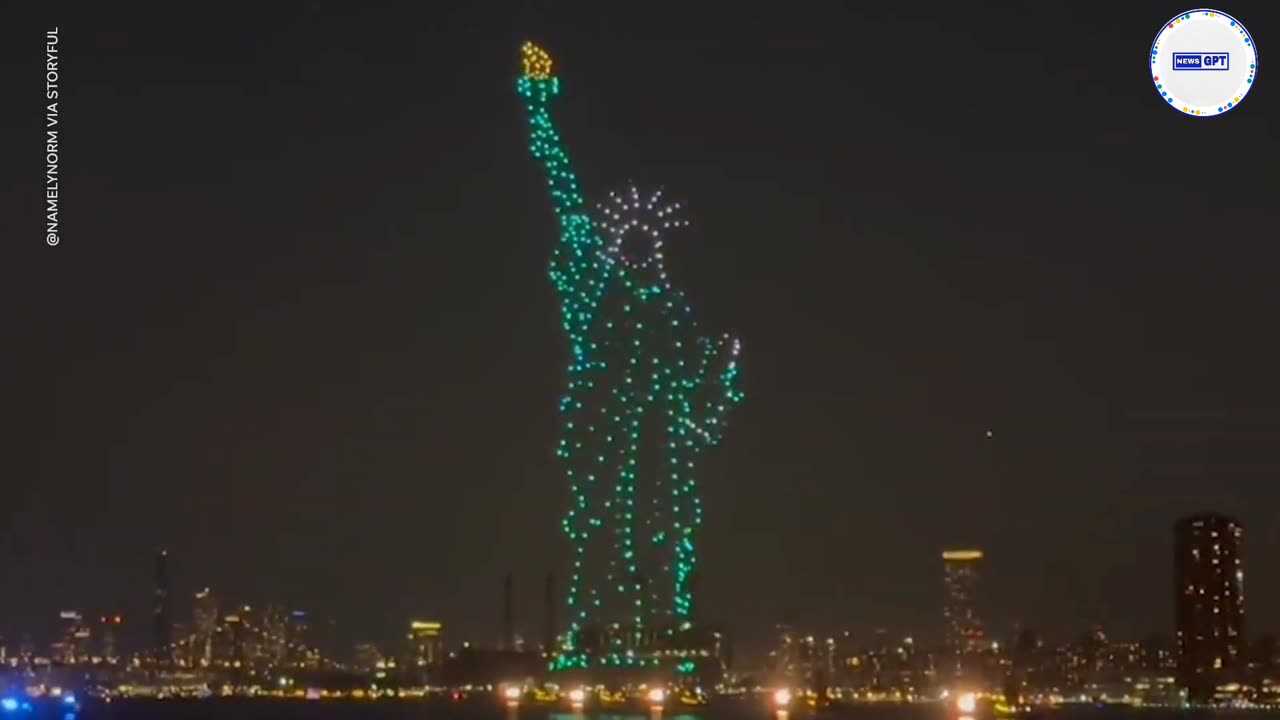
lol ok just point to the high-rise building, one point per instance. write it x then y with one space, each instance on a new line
161 619
232 631
549 641
1209 600
275 630
367 657
960 575
204 623
426 643
508 626
236 645
783 657
72 645
798 658
109 627
252 643
299 653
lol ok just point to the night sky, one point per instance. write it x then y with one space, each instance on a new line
299 330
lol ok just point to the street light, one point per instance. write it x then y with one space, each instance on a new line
657 696
782 698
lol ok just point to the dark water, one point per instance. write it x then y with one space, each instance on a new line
410 710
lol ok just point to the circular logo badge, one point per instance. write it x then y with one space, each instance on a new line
1203 63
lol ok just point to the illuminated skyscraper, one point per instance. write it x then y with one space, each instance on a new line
275 630
109 627
1209 600
785 657
204 622
426 643
234 639
253 642
367 657
299 652
72 645
161 619
960 575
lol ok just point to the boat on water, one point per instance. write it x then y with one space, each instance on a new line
1002 709
971 706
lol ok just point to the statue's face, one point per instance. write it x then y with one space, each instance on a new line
633 230
641 253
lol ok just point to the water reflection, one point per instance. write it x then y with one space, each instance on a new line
654 714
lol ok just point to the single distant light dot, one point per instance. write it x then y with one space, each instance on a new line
990 434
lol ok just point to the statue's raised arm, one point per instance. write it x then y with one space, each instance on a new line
576 264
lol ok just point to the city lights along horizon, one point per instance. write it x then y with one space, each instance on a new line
640 374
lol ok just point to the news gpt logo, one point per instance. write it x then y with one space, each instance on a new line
1203 63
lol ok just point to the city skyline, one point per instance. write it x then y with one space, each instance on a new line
298 332
959 607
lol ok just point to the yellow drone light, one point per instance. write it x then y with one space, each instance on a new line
537 62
